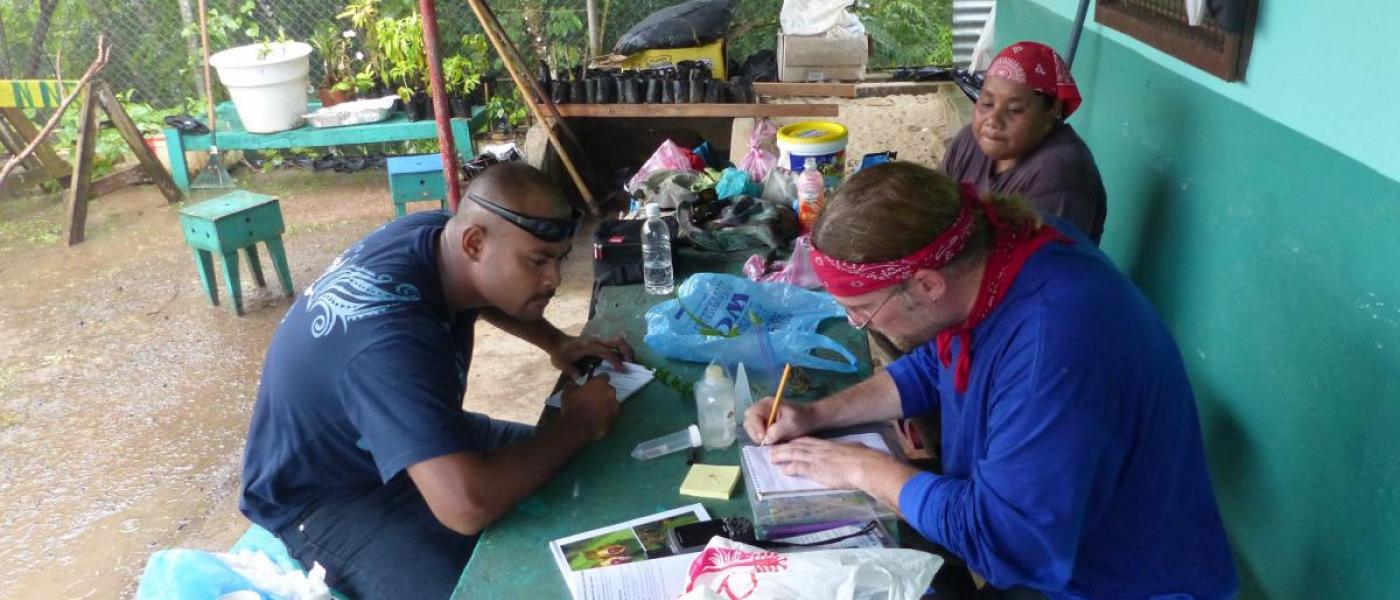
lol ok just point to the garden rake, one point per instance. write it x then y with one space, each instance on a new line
214 176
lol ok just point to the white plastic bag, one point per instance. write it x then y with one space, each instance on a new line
728 570
827 18
1195 12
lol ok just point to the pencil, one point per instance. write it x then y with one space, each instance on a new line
777 398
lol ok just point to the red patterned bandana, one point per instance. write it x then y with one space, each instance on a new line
1011 248
844 278
1040 68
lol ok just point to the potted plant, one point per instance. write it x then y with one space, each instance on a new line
463 74
401 48
333 46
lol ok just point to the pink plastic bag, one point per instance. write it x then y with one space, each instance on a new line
759 159
668 156
796 270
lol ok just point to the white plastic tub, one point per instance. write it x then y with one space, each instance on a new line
268 83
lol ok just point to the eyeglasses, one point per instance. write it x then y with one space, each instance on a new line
548 230
870 318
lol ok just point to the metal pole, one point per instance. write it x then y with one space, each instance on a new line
1078 28
441 112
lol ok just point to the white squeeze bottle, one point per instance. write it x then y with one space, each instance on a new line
657 276
714 405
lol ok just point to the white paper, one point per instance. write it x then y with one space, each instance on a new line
574 578
769 480
627 381
658 578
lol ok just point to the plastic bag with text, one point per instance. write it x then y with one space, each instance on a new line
712 311
729 570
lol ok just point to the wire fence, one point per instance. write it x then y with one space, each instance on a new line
156 55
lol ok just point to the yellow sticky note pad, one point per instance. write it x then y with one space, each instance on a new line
710 481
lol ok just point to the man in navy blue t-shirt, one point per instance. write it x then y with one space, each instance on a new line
359 455
1073 464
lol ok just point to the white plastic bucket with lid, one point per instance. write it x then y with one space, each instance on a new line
267 82
823 141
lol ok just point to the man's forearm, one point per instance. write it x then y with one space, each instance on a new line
884 479
541 333
872 400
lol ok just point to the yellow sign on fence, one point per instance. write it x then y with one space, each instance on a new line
31 93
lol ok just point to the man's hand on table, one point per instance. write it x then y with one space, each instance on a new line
570 349
589 408
844 466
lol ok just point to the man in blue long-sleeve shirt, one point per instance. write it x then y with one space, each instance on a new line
1072 453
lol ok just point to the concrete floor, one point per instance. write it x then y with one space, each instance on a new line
125 396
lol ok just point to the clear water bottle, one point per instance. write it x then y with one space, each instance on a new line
657 275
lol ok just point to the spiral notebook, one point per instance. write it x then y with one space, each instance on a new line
769 481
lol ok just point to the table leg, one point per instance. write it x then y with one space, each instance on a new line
175 151
279 262
235 291
254 265
204 263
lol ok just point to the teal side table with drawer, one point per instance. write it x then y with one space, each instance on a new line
416 179
224 225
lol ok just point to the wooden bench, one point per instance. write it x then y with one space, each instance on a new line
232 136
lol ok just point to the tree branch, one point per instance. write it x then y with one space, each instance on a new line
104 52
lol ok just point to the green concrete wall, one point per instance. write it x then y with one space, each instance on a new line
1312 61
1275 258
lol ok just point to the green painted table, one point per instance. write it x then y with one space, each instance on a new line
603 485
232 136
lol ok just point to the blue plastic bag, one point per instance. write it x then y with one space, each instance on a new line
189 575
713 311
734 182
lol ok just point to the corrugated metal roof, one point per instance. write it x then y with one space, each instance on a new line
968 18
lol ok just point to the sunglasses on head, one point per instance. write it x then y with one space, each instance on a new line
547 230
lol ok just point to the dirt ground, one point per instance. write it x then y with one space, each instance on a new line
125 396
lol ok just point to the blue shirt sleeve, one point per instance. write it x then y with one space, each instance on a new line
916 377
1018 519
404 396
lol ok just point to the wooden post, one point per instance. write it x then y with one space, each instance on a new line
595 37
82 168
52 164
524 82
133 138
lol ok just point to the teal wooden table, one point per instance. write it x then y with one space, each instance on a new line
602 485
232 136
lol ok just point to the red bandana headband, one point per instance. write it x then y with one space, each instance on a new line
844 278
1040 68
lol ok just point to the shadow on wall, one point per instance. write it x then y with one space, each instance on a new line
1272 259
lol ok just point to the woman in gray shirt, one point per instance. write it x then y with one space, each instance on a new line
1018 142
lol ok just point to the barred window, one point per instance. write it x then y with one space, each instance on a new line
1219 45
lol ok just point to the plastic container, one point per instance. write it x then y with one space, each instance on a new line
811 195
821 140
684 439
714 406
657 275
268 83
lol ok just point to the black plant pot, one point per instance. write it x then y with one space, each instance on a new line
420 106
461 109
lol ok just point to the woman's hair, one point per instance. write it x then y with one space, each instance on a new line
891 210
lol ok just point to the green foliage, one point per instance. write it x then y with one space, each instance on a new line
462 72
400 47
909 32
510 109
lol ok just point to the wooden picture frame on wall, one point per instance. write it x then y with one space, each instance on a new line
1162 24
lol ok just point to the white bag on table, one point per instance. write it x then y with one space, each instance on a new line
728 570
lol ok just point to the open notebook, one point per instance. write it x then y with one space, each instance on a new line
769 481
